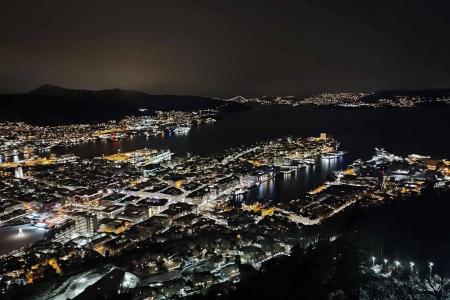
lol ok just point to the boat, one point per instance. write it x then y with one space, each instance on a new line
210 120
181 129
104 136
120 135
309 161
332 155
329 156
286 170
148 134
239 192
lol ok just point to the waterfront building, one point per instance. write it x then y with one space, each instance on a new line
161 156
66 158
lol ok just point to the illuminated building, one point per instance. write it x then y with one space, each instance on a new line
150 169
134 214
86 224
18 173
113 226
161 156
66 158
111 211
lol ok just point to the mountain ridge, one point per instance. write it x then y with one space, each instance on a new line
51 104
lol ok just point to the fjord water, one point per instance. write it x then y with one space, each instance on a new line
401 131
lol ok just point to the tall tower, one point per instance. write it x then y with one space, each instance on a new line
86 224
91 223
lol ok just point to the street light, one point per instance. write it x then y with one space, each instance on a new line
411 264
430 265
397 264
373 261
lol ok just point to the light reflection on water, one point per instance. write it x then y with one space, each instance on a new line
285 187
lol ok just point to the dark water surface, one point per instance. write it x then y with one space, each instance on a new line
401 131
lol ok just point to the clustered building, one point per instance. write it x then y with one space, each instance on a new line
349 100
176 222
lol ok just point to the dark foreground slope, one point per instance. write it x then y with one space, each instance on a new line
409 230
50 104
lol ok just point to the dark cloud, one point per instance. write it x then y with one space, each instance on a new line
221 48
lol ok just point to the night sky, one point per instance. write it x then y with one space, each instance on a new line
224 48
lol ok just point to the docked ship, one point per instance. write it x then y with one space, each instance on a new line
153 133
333 155
114 136
309 161
240 192
120 135
286 170
181 130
